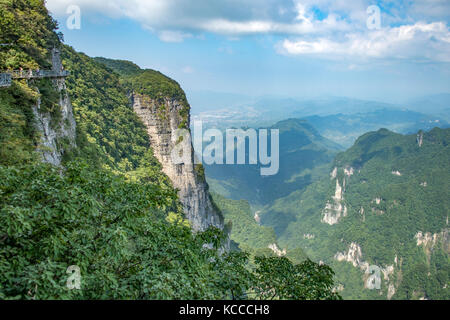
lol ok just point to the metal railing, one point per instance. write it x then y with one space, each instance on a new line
29 74
6 77
5 80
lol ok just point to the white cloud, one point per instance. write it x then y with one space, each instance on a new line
420 41
437 9
254 15
173 36
410 28
231 17
228 27
116 8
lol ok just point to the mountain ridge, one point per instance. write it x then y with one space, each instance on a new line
380 204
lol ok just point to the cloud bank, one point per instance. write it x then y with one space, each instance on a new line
415 30
420 42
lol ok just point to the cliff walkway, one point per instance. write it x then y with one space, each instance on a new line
7 77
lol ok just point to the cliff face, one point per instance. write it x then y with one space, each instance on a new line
56 134
372 273
162 118
335 210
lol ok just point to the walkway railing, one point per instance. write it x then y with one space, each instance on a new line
29 74
6 77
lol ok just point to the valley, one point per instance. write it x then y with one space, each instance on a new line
367 207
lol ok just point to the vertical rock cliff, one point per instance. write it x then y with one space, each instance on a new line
335 210
162 118
56 135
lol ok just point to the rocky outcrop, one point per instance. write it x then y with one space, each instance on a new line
352 255
349 171
362 213
376 210
257 217
276 250
56 135
391 291
429 240
339 288
426 239
420 138
355 257
162 118
334 210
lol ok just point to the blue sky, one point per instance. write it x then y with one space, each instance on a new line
298 48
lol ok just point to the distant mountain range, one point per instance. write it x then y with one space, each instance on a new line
437 104
339 119
346 128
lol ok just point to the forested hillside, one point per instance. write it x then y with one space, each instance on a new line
384 204
31 50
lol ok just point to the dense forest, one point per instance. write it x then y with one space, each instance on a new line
395 191
109 209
